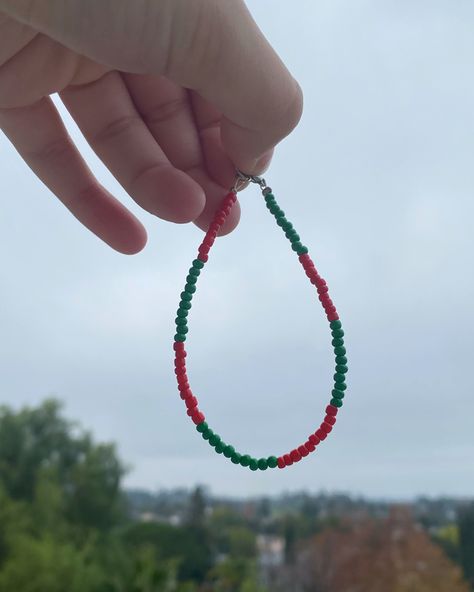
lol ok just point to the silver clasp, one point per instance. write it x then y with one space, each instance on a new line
242 180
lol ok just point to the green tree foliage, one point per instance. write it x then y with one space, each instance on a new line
466 542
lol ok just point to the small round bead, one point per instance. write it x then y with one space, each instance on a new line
198 263
220 219
186 296
197 416
229 451
341 369
339 377
281 462
340 350
219 448
322 289
253 464
182 329
204 257
191 279
335 324
202 427
287 225
302 450
194 271
262 464
292 235
179 337
178 347
337 333
340 386
337 341
327 428
331 410
182 313
330 419
336 402
337 394
281 221
191 402
313 439
235 458
296 245
288 460
302 250
322 435
184 305
331 316
207 434
310 447
272 462
214 440
341 360
245 460
180 321
267 192
295 455
186 393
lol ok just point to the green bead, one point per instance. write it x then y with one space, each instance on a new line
184 305
235 458
269 196
341 360
338 394
180 321
292 235
337 341
186 297
336 402
198 263
253 464
337 333
287 226
296 245
214 440
340 350
335 324
302 251
191 279
262 464
274 209
182 329
272 462
245 460
202 427
279 214
189 288
219 448
339 377
341 386
207 434
194 271
229 451
341 369
281 221
182 313
179 337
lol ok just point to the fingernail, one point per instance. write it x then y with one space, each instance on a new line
263 163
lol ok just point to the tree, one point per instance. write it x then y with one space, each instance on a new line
466 541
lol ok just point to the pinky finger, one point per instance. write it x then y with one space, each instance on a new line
40 137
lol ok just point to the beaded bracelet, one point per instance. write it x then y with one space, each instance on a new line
191 402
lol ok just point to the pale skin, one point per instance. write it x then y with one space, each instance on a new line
172 95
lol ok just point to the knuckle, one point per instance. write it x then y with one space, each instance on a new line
115 128
58 149
165 111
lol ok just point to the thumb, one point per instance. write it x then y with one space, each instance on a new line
211 46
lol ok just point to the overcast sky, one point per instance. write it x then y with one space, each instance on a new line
378 179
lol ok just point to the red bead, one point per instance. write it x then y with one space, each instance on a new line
313 439
333 316
330 419
332 410
314 279
326 427
295 455
197 416
202 256
305 258
208 241
191 402
178 346
302 450
288 460
322 289
179 362
309 446
220 219
321 434
281 462
185 393
183 383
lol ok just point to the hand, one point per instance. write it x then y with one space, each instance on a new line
172 95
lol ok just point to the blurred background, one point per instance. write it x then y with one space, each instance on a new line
104 483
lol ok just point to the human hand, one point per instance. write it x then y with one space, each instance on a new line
172 95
